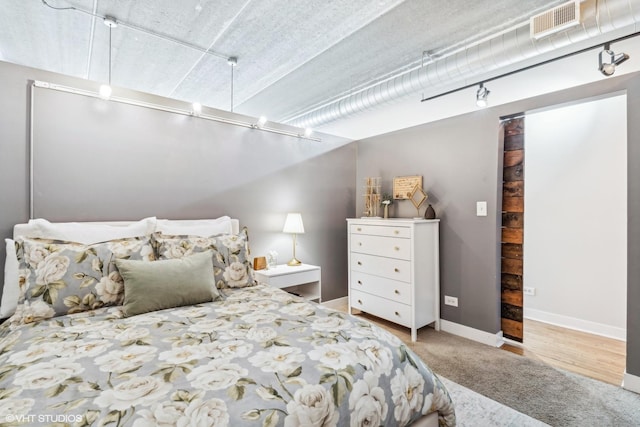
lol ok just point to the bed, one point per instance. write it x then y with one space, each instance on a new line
100 337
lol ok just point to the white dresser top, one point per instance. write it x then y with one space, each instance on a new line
392 221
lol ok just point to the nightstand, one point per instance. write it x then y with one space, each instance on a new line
303 280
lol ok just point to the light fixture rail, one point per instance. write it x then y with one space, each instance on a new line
301 134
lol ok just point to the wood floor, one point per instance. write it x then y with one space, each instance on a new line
586 354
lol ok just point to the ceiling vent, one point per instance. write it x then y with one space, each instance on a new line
557 19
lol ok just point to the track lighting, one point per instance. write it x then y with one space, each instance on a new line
608 68
196 108
481 96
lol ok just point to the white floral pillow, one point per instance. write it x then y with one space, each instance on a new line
59 277
231 264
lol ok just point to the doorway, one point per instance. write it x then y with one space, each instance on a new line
567 262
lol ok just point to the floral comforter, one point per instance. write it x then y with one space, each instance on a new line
258 357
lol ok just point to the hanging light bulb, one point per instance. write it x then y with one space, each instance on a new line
105 89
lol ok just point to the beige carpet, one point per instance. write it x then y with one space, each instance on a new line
550 395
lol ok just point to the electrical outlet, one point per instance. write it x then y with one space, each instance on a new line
450 300
529 291
481 208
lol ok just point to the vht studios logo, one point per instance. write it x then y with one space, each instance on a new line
43 418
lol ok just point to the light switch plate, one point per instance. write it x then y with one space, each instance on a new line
481 208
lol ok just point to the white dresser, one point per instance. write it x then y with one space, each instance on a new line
394 270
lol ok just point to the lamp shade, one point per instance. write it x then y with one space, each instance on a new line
293 224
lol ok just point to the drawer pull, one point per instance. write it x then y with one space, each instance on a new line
397 314
359 229
396 248
359 263
360 302
359 282
397 292
359 243
396 270
396 232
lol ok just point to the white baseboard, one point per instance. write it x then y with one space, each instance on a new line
336 303
494 340
576 324
631 383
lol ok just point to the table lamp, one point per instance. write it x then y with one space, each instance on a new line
293 225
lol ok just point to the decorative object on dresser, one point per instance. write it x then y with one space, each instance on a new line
430 213
303 280
404 185
418 197
394 270
371 197
293 225
387 200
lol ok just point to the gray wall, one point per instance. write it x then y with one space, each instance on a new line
97 160
460 160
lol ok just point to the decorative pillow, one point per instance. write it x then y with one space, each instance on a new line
151 286
195 227
89 233
231 264
10 289
64 277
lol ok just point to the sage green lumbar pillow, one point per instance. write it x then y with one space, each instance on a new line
151 286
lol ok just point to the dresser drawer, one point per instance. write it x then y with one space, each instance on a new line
391 247
377 230
380 286
390 268
391 310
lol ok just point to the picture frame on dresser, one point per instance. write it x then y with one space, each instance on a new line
394 270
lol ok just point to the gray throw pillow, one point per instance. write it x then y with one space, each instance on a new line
151 286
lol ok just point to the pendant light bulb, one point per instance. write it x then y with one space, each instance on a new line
105 91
